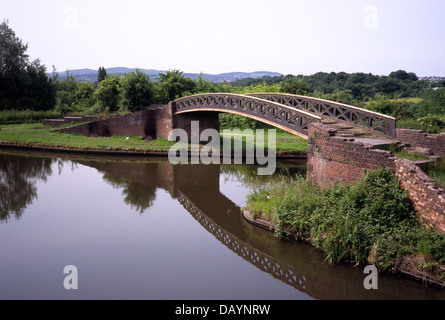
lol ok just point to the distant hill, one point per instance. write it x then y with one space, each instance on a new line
91 75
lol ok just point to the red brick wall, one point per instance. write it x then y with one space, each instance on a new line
428 200
418 138
140 124
335 159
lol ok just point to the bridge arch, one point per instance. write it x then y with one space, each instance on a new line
273 113
335 111
292 113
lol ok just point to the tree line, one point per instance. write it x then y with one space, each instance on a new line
26 85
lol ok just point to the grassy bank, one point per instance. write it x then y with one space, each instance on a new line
27 116
36 135
368 222
436 171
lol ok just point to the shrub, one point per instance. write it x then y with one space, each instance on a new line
370 220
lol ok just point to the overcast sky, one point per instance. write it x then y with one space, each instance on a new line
286 36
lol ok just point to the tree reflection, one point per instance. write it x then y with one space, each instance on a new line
137 195
18 177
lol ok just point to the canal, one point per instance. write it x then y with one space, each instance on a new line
145 229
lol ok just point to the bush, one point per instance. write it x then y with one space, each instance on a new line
137 91
368 221
27 116
432 123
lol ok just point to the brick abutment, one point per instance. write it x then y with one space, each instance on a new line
333 159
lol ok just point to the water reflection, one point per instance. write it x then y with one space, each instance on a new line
18 177
137 195
198 189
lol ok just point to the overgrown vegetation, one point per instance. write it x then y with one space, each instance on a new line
371 221
436 171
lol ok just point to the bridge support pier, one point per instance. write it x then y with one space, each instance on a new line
206 119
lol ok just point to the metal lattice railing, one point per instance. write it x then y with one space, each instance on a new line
247 252
271 112
357 117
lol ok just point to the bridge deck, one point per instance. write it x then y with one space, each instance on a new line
293 113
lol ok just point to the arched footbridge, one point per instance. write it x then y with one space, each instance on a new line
291 113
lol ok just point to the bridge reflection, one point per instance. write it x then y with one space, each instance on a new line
197 189
244 250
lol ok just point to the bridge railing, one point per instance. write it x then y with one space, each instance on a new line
337 111
276 114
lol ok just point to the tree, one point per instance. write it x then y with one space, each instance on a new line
39 90
101 75
403 75
13 62
108 93
173 85
22 84
84 95
66 94
203 85
137 91
294 85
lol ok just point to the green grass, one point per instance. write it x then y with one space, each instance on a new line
40 136
413 100
436 171
27 116
286 143
410 156
43 136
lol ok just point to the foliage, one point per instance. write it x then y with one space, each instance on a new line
436 171
432 123
66 93
204 86
368 221
23 84
108 92
398 109
84 95
101 74
173 85
294 85
27 116
137 91
434 103
341 96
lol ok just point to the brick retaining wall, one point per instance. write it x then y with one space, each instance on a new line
155 121
428 200
337 159
334 159
418 138
69 120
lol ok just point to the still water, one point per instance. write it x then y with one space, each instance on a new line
145 229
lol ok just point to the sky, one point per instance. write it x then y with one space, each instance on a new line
285 36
